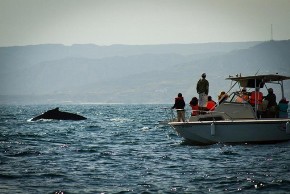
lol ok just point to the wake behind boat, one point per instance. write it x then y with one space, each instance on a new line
236 121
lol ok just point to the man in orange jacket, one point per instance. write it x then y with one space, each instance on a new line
256 97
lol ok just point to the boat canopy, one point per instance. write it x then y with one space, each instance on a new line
258 80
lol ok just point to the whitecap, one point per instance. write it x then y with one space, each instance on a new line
121 120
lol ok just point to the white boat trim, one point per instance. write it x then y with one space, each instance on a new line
234 131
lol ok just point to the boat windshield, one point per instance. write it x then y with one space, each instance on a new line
238 97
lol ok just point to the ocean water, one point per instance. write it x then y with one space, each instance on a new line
123 149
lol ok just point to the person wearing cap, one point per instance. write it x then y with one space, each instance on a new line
272 104
202 88
271 98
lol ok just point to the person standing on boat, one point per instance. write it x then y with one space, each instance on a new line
272 104
179 106
202 88
256 97
271 98
256 100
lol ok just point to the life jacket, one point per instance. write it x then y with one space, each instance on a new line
195 110
179 103
210 105
253 99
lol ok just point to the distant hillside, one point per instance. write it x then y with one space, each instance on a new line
130 74
265 58
162 86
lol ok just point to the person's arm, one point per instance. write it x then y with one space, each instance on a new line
207 88
174 106
198 87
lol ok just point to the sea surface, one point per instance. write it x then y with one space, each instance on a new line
124 149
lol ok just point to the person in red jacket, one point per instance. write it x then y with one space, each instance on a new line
210 104
256 97
179 106
194 106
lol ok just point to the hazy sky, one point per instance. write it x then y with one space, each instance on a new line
106 22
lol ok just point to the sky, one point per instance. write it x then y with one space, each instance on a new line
141 22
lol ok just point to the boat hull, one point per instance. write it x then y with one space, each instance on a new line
242 131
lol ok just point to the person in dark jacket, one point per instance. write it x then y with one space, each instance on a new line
179 106
271 98
202 88
272 108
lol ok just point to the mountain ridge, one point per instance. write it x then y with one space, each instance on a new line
146 77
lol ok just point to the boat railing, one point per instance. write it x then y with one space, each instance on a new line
216 115
170 115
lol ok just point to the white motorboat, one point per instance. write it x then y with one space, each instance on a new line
237 122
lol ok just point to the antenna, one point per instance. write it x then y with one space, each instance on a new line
258 71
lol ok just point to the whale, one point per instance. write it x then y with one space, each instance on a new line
56 114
